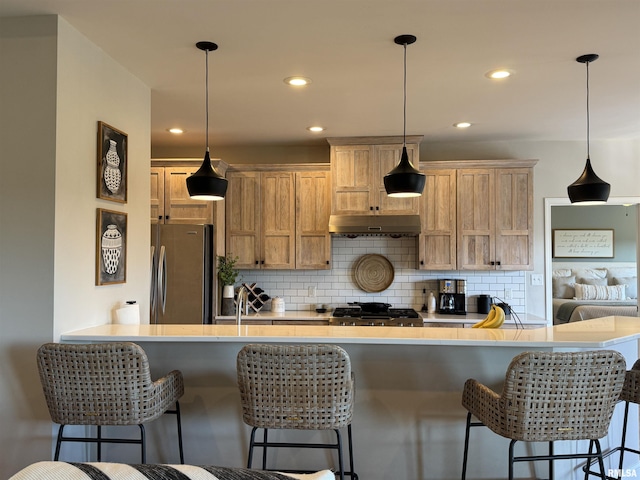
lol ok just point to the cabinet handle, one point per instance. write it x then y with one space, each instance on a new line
371 208
257 262
377 208
492 263
166 217
497 263
159 217
262 262
421 262
327 262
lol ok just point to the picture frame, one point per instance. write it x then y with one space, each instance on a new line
113 163
583 243
111 247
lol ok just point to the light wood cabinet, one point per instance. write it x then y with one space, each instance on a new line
437 239
313 206
170 201
358 167
495 219
278 217
261 219
477 215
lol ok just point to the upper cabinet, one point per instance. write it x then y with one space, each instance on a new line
358 167
170 201
277 218
477 216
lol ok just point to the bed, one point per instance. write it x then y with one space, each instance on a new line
582 291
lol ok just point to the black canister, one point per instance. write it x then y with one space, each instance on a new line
484 303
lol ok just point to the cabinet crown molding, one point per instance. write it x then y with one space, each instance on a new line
337 141
505 163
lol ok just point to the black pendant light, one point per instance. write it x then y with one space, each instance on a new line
589 189
207 183
404 180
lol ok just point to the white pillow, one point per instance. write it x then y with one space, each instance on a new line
562 272
599 292
590 272
592 281
631 284
563 287
323 475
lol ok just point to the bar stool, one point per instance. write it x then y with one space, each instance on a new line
630 394
299 387
107 384
546 397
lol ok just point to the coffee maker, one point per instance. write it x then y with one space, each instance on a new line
452 296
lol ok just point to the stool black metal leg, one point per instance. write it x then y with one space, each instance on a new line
466 447
624 435
350 439
252 442
600 460
180 448
143 444
511 445
264 450
99 437
58 443
588 466
340 459
551 461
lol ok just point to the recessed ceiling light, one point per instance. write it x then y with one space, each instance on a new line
316 129
297 81
175 130
462 125
499 74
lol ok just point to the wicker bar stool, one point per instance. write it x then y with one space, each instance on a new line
105 384
546 397
630 394
300 387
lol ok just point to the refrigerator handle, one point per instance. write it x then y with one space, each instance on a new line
162 278
153 281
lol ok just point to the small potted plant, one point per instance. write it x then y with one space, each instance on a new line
228 274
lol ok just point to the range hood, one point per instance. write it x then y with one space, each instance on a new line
374 225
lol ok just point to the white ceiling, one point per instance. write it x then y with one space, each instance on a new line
346 47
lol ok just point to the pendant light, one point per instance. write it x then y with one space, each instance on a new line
207 183
404 180
589 189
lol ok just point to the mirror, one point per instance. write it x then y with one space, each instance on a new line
631 210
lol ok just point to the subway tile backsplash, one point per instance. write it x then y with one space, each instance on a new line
337 287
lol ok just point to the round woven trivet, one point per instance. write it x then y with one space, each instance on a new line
373 273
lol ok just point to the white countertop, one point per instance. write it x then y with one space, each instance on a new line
597 333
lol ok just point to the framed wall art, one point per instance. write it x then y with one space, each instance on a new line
579 243
111 247
112 163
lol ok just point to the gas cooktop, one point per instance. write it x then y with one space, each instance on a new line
383 317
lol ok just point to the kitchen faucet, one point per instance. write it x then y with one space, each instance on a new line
243 296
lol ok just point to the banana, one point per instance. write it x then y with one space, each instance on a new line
489 318
497 321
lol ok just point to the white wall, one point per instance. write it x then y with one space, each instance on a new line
54 87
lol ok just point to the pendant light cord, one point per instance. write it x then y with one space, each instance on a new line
588 127
404 98
206 97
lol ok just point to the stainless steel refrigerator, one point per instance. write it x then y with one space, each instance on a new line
182 274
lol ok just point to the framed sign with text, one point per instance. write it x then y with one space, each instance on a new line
578 243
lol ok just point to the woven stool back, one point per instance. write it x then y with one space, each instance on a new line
631 389
560 396
307 387
99 384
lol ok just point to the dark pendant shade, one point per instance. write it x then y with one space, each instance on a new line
404 180
589 188
207 183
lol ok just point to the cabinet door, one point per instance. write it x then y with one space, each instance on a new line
313 205
351 168
476 219
437 240
514 219
179 207
278 220
157 195
386 158
243 218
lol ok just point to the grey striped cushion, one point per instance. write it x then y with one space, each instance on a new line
120 471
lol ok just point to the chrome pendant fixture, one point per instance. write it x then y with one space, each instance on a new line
589 189
404 180
207 183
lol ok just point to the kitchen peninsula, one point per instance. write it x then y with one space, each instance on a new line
408 421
